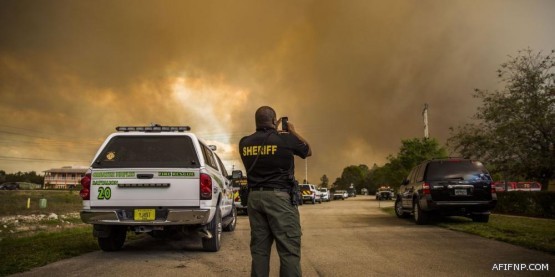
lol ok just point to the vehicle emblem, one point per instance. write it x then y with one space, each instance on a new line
111 155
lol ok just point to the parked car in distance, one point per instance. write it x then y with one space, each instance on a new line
240 191
364 191
502 186
528 186
310 193
447 187
384 193
325 194
340 194
9 186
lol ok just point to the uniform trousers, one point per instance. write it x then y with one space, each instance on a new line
273 217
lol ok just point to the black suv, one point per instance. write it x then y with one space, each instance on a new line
447 187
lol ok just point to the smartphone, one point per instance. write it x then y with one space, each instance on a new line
284 125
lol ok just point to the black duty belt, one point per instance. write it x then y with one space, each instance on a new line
269 189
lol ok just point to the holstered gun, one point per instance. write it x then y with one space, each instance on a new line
295 193
244 195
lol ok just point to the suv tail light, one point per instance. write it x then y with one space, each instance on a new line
85 192
493 190
426 189
205 187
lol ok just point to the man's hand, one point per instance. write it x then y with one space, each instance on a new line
289 125
294 132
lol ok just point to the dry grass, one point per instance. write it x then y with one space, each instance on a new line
16 220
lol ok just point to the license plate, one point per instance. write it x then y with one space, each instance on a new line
145 214
460 192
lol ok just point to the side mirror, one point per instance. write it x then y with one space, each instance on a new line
236 174
213 147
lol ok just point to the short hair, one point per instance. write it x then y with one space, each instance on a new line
265 117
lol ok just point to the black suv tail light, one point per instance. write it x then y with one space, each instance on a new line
426 189
205 187
85 192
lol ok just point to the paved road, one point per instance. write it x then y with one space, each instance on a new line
341 238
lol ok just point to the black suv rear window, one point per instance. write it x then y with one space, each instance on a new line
148 152
456 170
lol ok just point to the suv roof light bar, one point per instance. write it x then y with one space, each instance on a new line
155 128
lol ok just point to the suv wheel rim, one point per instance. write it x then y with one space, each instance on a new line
399 207
219 231
416 212
234 217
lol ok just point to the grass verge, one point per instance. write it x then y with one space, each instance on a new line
14 202
533 233
25 253
37 241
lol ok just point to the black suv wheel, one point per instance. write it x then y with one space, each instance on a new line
420 217
399 209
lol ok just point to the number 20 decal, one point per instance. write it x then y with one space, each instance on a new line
104 193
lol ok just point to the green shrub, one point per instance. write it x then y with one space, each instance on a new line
535 203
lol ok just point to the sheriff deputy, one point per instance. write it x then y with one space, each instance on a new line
268 157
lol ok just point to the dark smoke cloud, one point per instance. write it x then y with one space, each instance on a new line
352 75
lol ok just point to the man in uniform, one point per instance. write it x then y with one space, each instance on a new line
268 158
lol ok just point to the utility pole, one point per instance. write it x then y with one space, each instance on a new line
425 116
306 170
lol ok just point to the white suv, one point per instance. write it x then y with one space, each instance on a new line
157 179
310 193
325 194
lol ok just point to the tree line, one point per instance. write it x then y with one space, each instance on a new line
28 177
512 133
412 152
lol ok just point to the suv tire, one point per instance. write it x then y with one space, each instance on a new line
399 209
114 241
420 217
480 218
215 227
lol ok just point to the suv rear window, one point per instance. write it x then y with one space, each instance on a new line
148 152
305 187
456 170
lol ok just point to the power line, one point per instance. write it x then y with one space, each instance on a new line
50 134
8 158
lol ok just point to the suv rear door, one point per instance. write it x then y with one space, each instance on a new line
458 180
146 170
406 190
